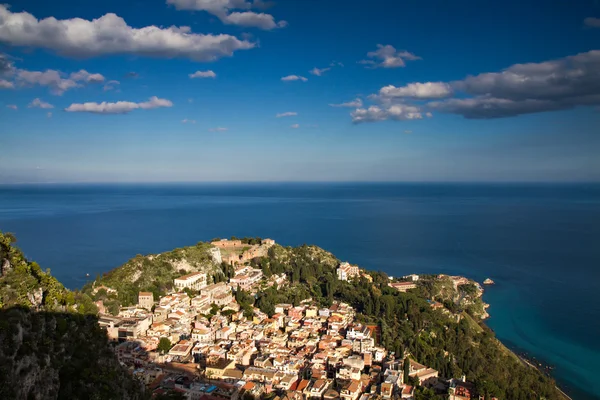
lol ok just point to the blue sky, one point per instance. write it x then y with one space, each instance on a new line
426 90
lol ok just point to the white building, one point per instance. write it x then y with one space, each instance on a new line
146 300
203 335
346 271
413 277
194 281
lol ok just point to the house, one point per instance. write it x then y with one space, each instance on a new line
215 368
402 286
351 391
194 281
146 300
318 388
246 278
426 376
214 290
182 349
408 392
387 390
222 299
203 335
134 327
346 271
459 389
232 375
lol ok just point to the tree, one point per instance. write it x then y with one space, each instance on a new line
164 345
406 369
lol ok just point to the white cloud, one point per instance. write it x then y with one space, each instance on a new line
427 90
318 71
408 132
188 121
336 64
203 74
12 106
85 76
37 103
356 103
57 81
295 126
388 57
251 19
119 107
592 22
218 129
49 78
397 112
286 114
110 34
111 85
519 89
290 78
4 84
224 10
49 114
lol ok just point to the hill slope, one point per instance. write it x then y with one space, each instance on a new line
155 273
51 346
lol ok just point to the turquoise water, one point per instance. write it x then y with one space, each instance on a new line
540 243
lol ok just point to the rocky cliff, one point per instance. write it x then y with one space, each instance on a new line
51 346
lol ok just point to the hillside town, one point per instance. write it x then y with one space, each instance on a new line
197 341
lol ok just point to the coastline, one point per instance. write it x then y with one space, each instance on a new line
527 359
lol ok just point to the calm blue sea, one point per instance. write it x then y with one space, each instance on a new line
540 243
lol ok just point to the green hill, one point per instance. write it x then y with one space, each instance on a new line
153 273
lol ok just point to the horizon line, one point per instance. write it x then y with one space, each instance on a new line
276 182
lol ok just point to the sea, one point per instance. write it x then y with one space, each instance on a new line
540 243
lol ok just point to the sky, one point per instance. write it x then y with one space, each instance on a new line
307 90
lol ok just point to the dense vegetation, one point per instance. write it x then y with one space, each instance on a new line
51 346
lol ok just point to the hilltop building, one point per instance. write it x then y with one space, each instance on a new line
194 281
346 271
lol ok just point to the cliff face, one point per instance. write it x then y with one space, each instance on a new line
51 346
49 355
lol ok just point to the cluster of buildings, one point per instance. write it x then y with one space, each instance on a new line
301 352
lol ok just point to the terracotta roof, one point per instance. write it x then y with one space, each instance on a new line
303 384
190 275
